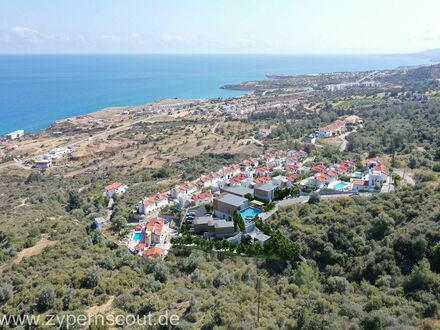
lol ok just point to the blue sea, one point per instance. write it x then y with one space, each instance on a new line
36 90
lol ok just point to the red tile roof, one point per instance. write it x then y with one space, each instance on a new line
153 252
331 173
155 221
262 169
293 177
140 247
262 179
203 195
271 164
337 124
291 160
154 199
115 185
322 177
360 182
317 168
292 168
238 178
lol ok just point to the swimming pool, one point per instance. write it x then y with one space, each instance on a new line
250 212
358 175
137 236
340 185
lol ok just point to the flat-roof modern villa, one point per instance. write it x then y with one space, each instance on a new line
246 187
226 204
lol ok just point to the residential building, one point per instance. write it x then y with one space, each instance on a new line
115 188
43 163
310 139
210 227
15 135
238 191
262 179
353 119
281 182
335 128
201 224
318 168
227 204
238 180
265 191
158 229
360 185
292 168
153 252
202 198
152 204
292 177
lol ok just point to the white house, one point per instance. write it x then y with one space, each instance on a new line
115 188
335 128
202 198
43 163
15 135
153 203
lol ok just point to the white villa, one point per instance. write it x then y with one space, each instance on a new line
116 188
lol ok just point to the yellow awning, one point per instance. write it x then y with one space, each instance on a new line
257 203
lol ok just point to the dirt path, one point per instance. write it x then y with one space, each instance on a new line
32 251
101 309
22 203
344 143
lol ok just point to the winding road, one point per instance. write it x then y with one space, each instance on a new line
344 144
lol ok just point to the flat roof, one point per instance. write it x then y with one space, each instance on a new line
238 190
232 199
268 186
262 237
223 224
202 220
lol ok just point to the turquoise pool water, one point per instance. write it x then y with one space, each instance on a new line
341 185
250 212
358 175
137 236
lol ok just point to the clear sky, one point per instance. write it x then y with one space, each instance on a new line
219 26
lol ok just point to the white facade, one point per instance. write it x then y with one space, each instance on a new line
43 163
152 204
116 190
15 135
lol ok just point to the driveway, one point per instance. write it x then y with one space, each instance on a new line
406 177
344 144
388 186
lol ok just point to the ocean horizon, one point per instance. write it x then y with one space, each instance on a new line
36 90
